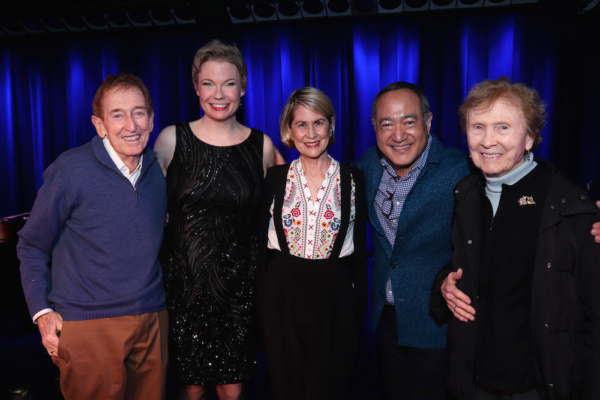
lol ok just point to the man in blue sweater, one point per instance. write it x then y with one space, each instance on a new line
89 254
410 177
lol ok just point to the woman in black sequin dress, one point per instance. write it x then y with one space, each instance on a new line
214 168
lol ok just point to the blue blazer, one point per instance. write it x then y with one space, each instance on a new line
422 246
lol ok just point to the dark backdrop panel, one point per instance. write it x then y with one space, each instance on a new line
47 83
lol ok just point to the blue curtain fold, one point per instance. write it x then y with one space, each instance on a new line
47 83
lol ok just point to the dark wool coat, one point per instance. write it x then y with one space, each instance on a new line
565 293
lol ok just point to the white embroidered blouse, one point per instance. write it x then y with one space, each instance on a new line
311 225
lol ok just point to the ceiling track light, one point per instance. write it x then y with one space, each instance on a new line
240 14
338 6
288 10
390 6
364 6
313 8
469 3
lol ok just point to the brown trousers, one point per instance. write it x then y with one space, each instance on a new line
114 358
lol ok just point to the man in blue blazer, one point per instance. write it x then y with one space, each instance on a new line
410 178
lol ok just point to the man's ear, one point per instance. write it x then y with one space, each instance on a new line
99 124
151 126
428 123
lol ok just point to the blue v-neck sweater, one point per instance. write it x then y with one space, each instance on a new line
90 247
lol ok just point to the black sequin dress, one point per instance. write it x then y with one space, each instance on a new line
208 258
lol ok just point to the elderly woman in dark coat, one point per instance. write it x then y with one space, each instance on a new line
525 286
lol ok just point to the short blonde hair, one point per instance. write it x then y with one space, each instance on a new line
313 99
215 50
486 93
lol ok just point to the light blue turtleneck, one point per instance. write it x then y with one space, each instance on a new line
493 187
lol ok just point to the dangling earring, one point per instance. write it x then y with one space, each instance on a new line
241 103
527 155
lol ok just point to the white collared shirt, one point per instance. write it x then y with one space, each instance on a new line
131 175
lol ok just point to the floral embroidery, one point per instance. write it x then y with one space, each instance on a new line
287 220
311 227
335 224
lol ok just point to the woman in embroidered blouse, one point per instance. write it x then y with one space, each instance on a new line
312 273
525 271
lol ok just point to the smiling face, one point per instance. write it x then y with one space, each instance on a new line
126 123
401 130
310 133
497 137
219 89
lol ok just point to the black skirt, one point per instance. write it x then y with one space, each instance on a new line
310 326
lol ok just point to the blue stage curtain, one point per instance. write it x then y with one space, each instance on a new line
47 83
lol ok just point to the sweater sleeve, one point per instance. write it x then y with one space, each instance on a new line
38 237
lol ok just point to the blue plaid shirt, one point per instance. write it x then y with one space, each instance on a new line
395 188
